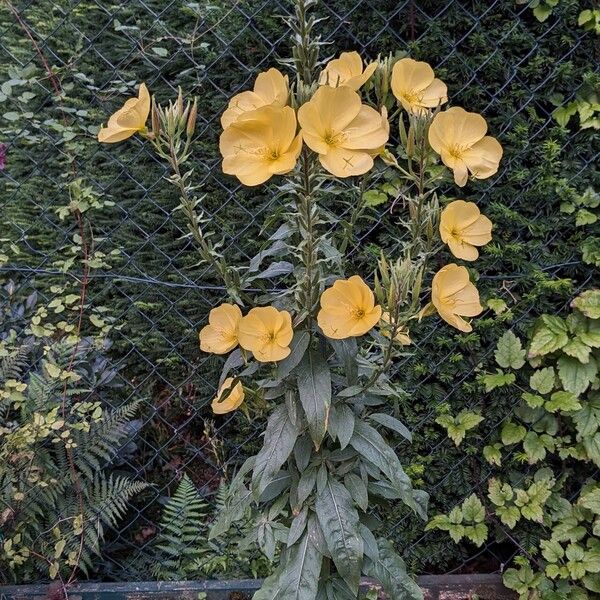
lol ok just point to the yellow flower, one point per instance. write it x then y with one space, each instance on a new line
128 120
454 296
348 309
267 333
343 131
402 336
459 138
463 227
260 144
270 88
347 70
228 398
221 334
415 86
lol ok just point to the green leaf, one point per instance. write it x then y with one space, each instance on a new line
374 198
280 438
340 525
512 433
542 381
563 401
392 423
298 348
300 577
575 376
371 446
341 423
577 349
509 352
585 217
314 387
358 490
472 509
497 379
591 501
390 572
552 551
493 455
588 303
550 334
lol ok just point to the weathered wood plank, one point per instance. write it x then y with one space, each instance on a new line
435 587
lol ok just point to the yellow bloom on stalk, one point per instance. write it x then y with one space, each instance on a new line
402 336
267 333
270 89
260 144
348 309
344 132
347 70
228 398
454 296
416 87
463 228
128 120
221 334
459 137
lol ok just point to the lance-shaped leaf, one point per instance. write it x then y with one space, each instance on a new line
280 437
300 576
371 446
341 527
270 588
390 571
298 347
314 388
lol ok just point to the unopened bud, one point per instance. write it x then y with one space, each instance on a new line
180 103
191 122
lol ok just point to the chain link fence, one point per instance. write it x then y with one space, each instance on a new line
80 58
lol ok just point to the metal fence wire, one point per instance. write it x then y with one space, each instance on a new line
67 64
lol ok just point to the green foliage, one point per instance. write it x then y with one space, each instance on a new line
458 426
558 422
465 521
178 547
528 269
60 436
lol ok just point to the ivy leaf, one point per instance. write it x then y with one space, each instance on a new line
542 380
562 401
509 352
280 438
577 349
314 388
340 525
458 426
576 376
591 501
550 334
585 217
473 510
588 303
512 433
497 379
492 454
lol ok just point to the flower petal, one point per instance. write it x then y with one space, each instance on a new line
483 158
343 162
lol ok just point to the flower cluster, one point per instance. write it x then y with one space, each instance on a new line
348 309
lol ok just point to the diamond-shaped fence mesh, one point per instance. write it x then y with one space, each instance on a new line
67 64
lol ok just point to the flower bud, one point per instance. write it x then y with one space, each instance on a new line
191 122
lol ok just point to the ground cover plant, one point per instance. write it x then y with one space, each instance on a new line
542 253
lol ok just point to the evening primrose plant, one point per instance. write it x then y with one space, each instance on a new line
319 351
